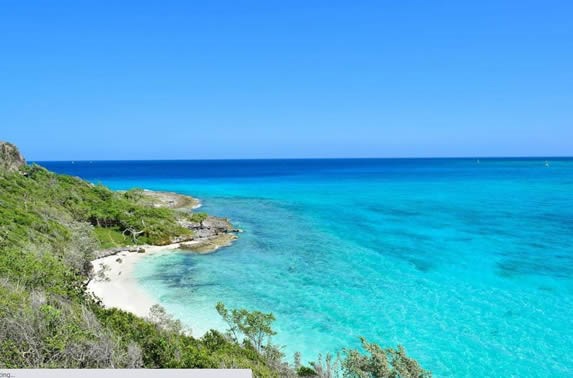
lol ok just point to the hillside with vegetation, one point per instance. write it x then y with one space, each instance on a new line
51 227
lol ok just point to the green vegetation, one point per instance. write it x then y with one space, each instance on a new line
254 327
50 227
111 237
199 218
381 362
39 204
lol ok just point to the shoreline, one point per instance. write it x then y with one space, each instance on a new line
113 281
115 284
120 288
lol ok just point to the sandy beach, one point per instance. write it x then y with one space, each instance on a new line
120 288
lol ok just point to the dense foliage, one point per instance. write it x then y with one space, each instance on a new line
42 205
253 326
50 226
381 362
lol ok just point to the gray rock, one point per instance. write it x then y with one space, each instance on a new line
218 224
212 226
10 158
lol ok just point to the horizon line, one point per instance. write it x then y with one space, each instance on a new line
311 158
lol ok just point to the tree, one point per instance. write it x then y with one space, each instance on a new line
254 326
134 194
199 218
163 320
381 363
328 368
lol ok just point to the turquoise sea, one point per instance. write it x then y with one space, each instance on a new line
467 263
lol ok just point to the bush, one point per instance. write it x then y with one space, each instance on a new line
381 363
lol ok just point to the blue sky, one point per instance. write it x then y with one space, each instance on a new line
269 79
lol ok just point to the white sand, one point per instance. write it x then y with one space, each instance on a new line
120 289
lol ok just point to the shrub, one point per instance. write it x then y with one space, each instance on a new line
381 363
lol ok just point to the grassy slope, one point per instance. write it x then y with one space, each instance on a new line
49 227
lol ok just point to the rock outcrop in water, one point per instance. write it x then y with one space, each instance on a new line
210 234
10 157
211 226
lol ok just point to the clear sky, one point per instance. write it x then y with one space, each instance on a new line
198 79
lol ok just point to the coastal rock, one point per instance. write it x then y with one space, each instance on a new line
209 245
11 159
211 226
170 200
220 225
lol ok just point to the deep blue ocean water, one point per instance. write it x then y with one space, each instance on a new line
468 264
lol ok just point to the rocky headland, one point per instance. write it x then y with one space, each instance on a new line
209 233
10 158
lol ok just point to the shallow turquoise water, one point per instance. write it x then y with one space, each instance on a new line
469 266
